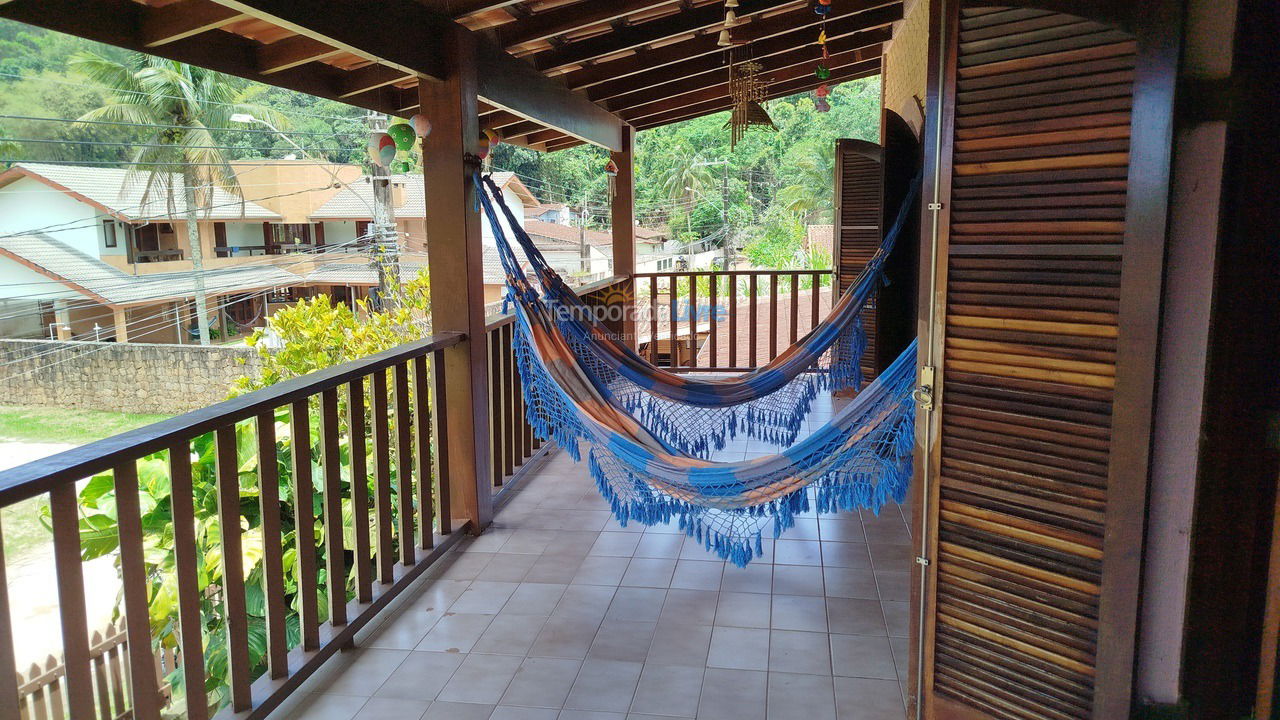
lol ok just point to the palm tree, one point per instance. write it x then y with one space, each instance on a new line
813 172
684 179
179 104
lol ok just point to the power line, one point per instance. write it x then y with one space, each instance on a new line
176 127
107 143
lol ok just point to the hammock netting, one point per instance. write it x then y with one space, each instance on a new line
647 449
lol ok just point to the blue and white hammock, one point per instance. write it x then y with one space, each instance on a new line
699 416
860 458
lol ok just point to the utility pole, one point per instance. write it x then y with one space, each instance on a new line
584 253
385 245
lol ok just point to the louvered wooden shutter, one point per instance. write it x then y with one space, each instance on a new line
858 224
1026 480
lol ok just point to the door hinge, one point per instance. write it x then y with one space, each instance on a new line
924 392
922 561
935 206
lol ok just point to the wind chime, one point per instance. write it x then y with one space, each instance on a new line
822 72
746 89
611 170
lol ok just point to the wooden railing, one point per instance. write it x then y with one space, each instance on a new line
728 321
512 441
366 428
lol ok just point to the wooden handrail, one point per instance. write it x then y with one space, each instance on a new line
69 466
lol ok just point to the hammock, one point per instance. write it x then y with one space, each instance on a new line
861 458
700 416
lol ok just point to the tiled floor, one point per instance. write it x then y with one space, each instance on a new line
558 613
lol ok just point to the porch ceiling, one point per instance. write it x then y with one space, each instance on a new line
647 62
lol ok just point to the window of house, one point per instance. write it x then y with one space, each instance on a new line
109 233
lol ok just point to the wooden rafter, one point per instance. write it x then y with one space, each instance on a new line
569 18
783 89
846 34
787 29
292 52
180 20
798 69
859 46
627 38
371 77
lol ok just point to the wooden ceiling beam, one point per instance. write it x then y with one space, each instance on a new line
120 23
868 44
292 52
462 8
499 119
180 20
766 51
505 82
370 77
569 18
774 34
564 145
544 136
776 75
685 22
521 129
845 74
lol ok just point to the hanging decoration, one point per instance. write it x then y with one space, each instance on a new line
382 149
611 169
730 20
747 91
403 135
421 125
822 72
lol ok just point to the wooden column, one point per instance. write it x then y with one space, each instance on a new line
62 319
121 319
455 249
624 226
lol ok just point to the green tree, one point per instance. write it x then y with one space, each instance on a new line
183 102
812 172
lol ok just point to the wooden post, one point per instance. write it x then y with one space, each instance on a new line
62 319
624 227
455 247
121 319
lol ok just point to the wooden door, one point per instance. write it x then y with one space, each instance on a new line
858 229
1051 162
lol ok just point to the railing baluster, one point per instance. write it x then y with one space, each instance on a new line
382 478
510 413
334 551
304 523
733 319
8 658
496 417
773 316
272 551
713 319
426 478
673 334
525 429
133 578
813 300
442 442
186 569
359 490
653 320
693 316
71 598
227 471
404 465
752 312
795 306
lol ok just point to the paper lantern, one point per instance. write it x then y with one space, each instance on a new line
482 147
421 125
611 169
382 149
495 137
403 135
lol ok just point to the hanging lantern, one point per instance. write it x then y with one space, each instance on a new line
483 146
421 125
495 137
723 40
382 149
822 72
403 135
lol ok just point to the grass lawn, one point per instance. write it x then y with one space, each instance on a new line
21 522
66 425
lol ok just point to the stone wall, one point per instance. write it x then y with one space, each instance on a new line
906 62
122 377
